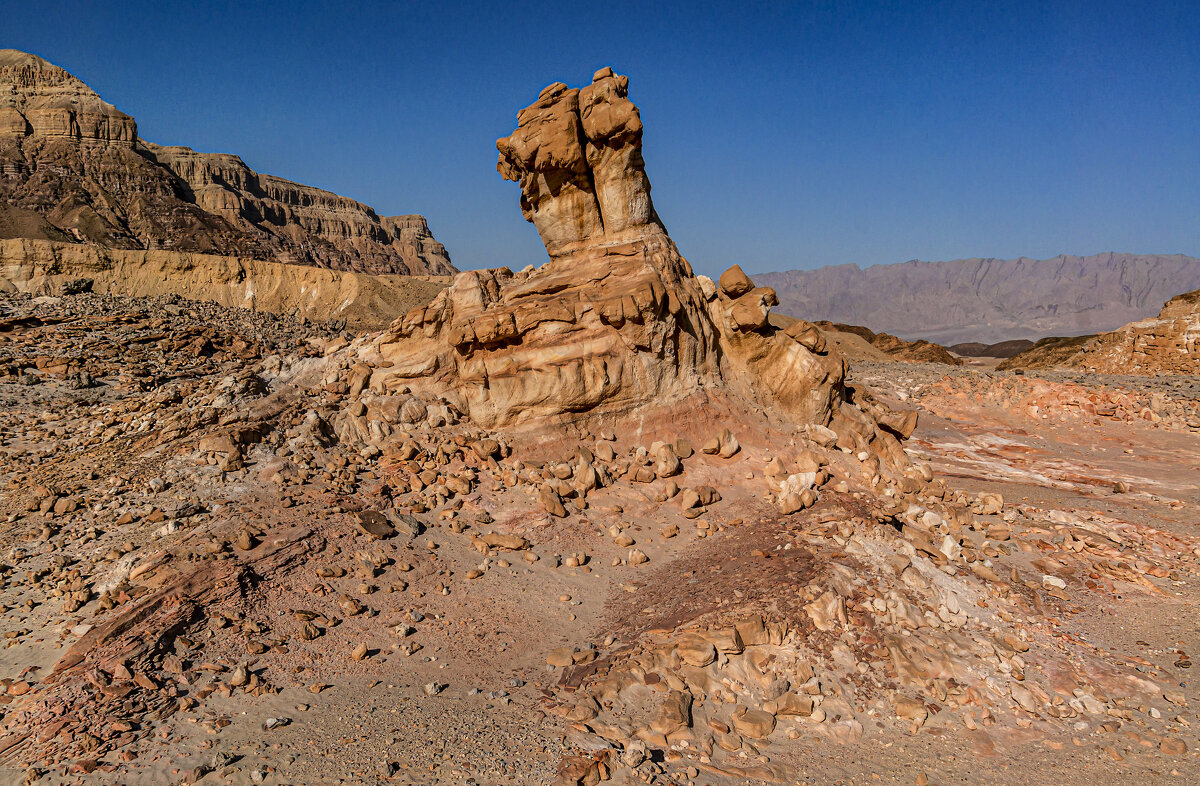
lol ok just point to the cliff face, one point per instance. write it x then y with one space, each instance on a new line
42 100
72 167
989 300
312 226
365 302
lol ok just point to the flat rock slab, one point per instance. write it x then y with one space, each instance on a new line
374 524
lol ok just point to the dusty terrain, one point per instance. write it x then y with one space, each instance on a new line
599 520
114 478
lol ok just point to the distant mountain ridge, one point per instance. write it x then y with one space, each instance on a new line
989 300
73 169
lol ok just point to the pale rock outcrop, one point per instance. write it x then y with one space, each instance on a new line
616 319
39 99
41 267
1166 344
577 155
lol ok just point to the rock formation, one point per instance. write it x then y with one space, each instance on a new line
989 300
616 318
1166 344
360 301
578 157
341 233
72 168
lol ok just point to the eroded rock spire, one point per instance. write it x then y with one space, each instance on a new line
577 154
616 322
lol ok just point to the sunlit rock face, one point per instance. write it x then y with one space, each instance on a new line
616 320
73 169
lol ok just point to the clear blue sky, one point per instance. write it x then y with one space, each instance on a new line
777 135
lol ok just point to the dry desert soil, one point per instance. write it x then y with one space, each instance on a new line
298 647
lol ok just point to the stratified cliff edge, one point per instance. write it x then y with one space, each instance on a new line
72 168
1166 344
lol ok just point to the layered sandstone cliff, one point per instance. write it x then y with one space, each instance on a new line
1166 344
616 320
311 226
72 167
364 302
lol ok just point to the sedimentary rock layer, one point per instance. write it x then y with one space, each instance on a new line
616 320
365 302
73 167
1166 344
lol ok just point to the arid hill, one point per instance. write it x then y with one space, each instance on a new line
858 343
73 168
988 300
1001 349
919 351
1166 344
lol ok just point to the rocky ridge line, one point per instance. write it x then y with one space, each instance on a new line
73 168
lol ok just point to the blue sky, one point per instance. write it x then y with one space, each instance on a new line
777 135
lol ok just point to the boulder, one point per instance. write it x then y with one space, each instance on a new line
755 724
734 282
695 650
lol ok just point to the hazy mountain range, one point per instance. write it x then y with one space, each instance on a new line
989 300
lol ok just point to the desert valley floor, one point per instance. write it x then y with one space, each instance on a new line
307 643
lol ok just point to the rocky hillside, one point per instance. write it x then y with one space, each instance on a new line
1001 349
1166 344
919 351
73 168
596 521
989 300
